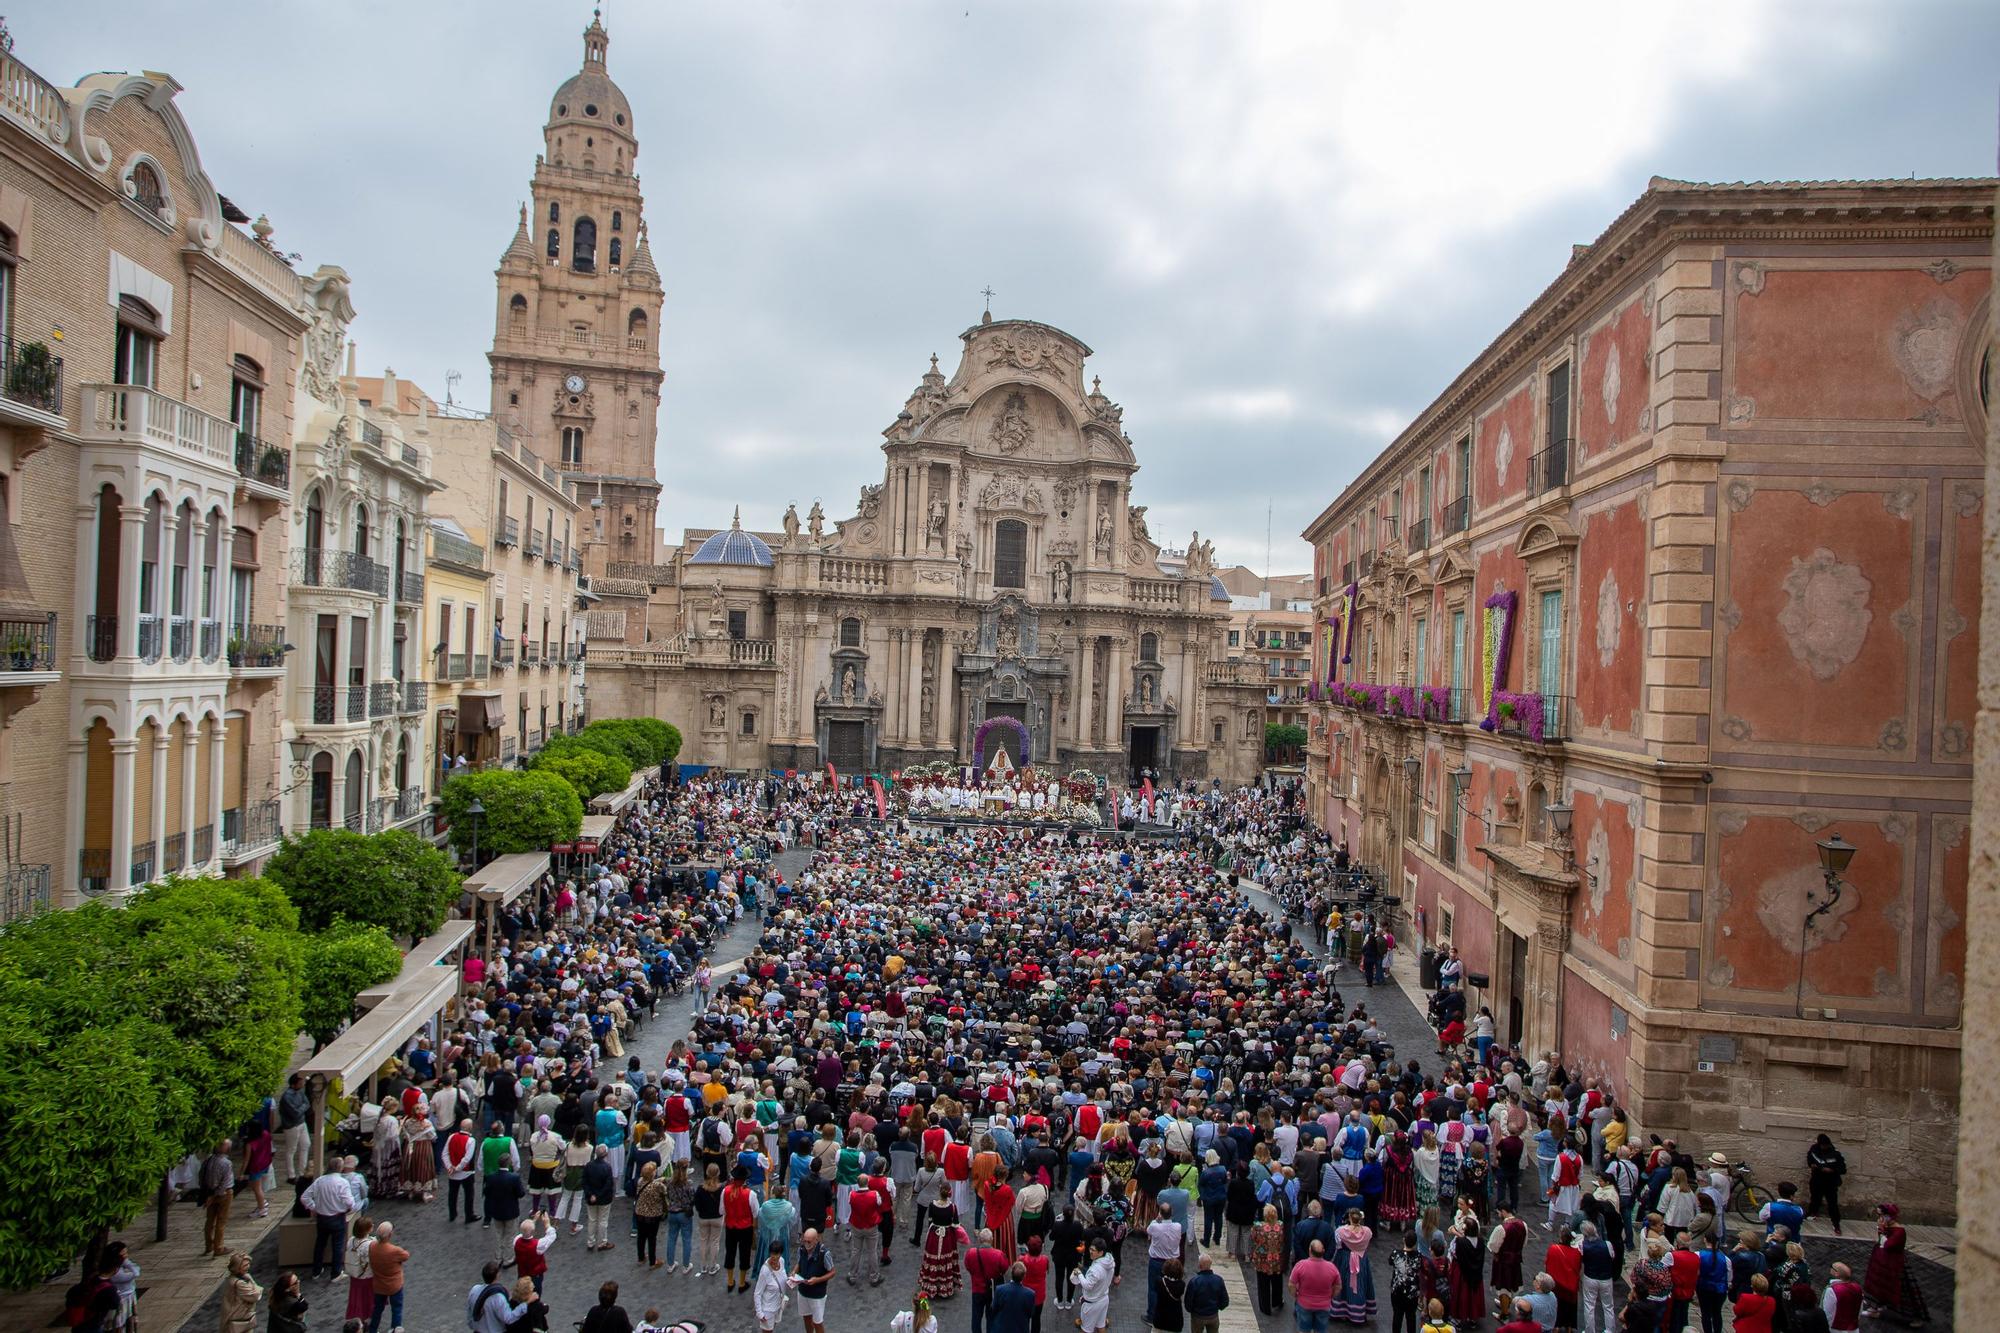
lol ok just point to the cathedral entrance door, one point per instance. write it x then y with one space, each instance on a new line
846 747
1145 750
1017 710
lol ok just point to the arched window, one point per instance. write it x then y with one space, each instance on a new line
322 790
617 220
403 764
555 243
361 529
1149 647
850 633
616 252
555 211
583 246
635 325
517 313
1010 553
147 192
1535 828
357 790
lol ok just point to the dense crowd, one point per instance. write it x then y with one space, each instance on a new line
1034 1055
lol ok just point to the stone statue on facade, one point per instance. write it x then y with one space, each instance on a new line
791 525
1062 581
1138 521
819 693
848 686
715 713
1007 635
1104 533
927 713
718 608
1012 432
935 523
816 521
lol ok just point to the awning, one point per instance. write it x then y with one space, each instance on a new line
376 1035
479 712
433 953
596 828
612 802
506 878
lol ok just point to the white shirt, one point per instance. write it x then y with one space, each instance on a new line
329 1196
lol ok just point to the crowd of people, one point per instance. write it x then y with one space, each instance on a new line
1026 1057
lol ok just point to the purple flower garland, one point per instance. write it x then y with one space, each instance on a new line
1527 713
985 729
1505 602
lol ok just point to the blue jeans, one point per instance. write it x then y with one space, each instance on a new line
1308 1321
392 1303
680 1229
1482 1045
1154 1268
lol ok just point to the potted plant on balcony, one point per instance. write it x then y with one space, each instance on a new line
20 651
32 377
274 464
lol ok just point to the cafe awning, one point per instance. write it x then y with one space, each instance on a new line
433 954
611 803
506 878
376 1035
479 711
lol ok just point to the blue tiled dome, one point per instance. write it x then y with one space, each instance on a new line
1217 590
734 547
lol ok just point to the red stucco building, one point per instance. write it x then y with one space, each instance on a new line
1697 538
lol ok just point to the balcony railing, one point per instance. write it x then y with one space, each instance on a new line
412 590
1549 469
457 666
28 645
129 414
318 567
1420 534
255 646
1457 516
93 870
265 464
357 703
371 434
31 376
503 655
336 703
416 696
143 862
173 853
457 550
555 551
508 533
534 543
575 561
204 845
531 653
1461 706
1347 573
210 640
246 828
180 638
479 666
409 803
383 698
1539 717
508 748
356 819
100 634
26 893
151 632
32 101
535 739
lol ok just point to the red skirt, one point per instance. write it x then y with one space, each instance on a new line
1399 1196
360 1298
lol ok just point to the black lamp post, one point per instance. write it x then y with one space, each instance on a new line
1834 854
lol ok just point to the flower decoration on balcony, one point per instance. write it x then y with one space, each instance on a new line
1437 702
1522 712
1350 595
1498 642
1401 701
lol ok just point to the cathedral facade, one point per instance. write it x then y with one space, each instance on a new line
997 580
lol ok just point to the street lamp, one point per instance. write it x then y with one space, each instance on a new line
473 811
1411 767
1560 815
1834 855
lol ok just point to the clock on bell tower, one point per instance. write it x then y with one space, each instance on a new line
576 335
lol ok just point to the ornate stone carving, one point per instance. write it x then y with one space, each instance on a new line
1785 898
1925 345
871 501
1012 431
1610 619
1609 386
932 574
1749 276
1137 520
1955 741
1825 617
1104 534
1966 501
1029 350
1736 728
1011 490
331 312
1503 453
1942 270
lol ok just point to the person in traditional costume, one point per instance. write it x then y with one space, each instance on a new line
1889 1290
1354 1300
944 1248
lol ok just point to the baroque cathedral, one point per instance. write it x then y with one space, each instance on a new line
998 570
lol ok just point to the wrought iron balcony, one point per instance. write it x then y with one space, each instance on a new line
265 464
383 698
100 635
1420 534
31 375
534 543
337 703
143 861
28 645
416 696
1549 469
409 803
479 666
180 638
1457 516
503 654
173 853
531 653
457 666
317 567
245 829
256 647
151 632
509 747
210 645
412 590
204 845
93 870
507 534
457 550
26 893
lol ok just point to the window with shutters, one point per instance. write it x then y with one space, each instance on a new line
1549 664
1458 653
1010 553
1419 641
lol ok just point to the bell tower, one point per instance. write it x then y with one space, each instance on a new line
576 331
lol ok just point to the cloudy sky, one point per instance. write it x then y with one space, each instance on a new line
1283 228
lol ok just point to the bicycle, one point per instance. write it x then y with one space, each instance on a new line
1746 1197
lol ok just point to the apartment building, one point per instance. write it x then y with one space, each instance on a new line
465 715
1651 663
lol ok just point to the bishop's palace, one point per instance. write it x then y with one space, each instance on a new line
997 568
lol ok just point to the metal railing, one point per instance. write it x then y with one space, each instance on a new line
1457 516
1347 573
371 434
173 853
508 533
204 845
93 870
28 645
265 464
531 653
535 738
479 666
503 655
357 703
409 803
180 638
100 634
335 703
457 666
457 550
245 828
1461 706
412 590
411 456
1549 469
356 819
534 543
555 551
151 632
26 893
210 640
575 561
416 696
508 748
252 646
143 863
383 698
318 567
1420 534
31 375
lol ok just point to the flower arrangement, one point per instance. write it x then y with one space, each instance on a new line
1437 702
1519 710
1498 645
986 729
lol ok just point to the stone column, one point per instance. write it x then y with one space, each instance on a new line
162 738
920 511
336 803
1541 1026
190 745
913 692
79 778
217 761
225 553
131 551
124 777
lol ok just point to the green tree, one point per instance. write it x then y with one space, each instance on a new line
393 879
1280 734
591 772
132 1037
342 961
523 812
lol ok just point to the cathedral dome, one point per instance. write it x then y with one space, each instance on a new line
734 547
589 98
